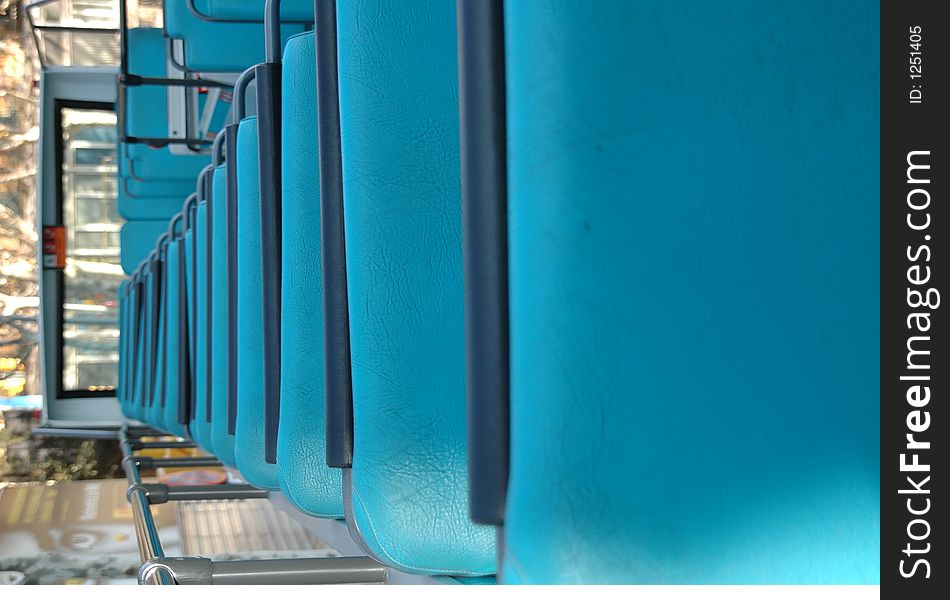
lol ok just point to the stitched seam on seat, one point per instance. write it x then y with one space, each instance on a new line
393 560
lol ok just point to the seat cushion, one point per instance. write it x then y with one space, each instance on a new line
147 110
686 406
402 213
249 428
218 321
305 477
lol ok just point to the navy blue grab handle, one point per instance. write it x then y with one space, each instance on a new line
268 121
135 317
230 156
157 268
139 327
485 252
338 385
231 134
209 273
184 343
193 321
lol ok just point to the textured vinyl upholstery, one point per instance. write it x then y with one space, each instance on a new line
222 441
248 10
173 346
689 401
155 412
126 390
249 430
399 127
305 477
201 426
218 47
136 240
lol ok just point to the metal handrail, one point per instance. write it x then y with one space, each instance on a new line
159 569
150 545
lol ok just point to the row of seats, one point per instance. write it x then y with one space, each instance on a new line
567 292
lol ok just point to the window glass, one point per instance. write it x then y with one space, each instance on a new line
90 325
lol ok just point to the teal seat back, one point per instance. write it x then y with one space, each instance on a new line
201 423
407 489
249 428
694 292
173 348
218 321
310 484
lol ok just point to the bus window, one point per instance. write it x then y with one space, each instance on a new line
87 203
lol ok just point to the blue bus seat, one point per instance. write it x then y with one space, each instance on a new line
201 423
126 391
308 482
250 10
704 418
143 337
249 428
406 493
146 106
218 364
157 319
121 390
175 312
